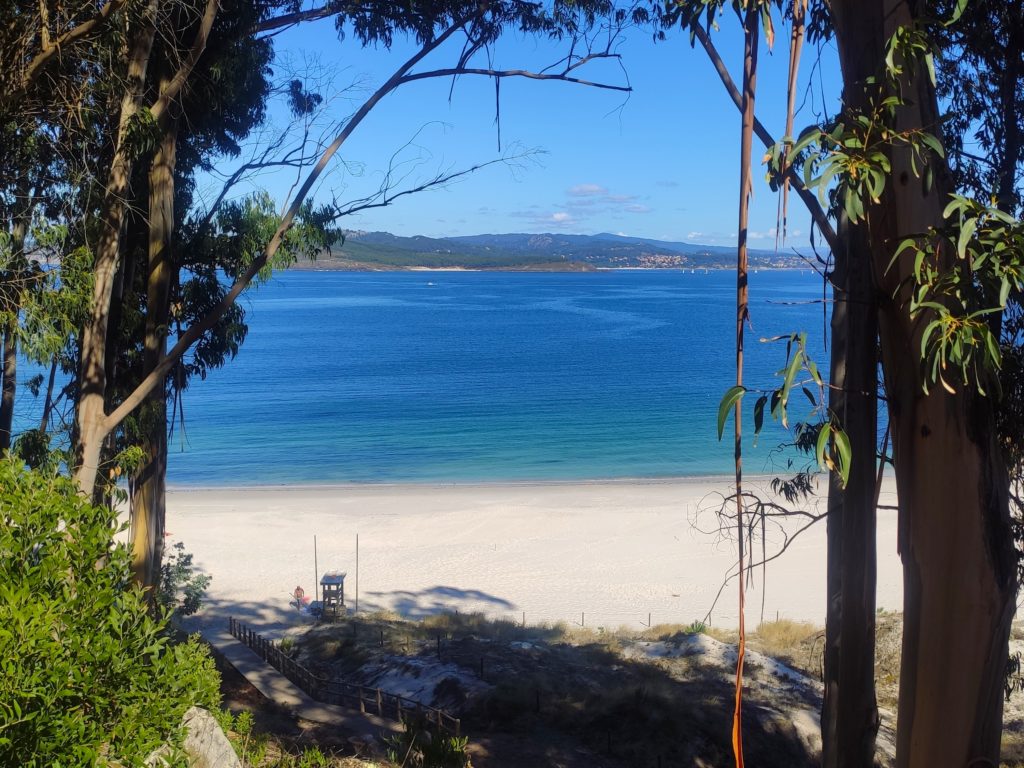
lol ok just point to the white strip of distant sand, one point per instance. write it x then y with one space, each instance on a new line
605 554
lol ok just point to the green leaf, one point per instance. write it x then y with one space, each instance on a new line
933 144
759 414
810 396
813 368
729 400
822 443
958 11
845 451
966 232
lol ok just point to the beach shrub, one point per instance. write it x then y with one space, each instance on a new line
181 590
88 675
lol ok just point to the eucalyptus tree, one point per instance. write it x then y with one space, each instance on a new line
938 266
158 106
432 25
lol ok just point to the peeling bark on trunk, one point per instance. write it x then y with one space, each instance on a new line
849 717
955 538
148 504
91 413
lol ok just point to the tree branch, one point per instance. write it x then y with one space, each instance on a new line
819 216
168 94
291 19
194 332
70 37
499 73
399 77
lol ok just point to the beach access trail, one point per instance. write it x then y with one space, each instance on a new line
602 554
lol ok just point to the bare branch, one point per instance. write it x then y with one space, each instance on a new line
819 216
385 197
499 73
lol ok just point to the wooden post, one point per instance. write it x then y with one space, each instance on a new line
380 704
524 619
362 706
398 706
316 573
357 573
458 727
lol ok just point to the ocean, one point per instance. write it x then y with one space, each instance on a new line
438 377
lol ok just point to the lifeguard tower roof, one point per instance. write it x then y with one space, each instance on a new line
333 578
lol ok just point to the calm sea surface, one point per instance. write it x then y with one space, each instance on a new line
486 376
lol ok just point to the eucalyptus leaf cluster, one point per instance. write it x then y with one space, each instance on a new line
832 449
963 275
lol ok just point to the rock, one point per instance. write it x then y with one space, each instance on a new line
205 744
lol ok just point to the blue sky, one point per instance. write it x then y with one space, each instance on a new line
661 162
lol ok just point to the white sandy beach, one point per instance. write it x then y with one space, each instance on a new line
603 553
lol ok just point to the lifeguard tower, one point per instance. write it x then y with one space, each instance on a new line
332 587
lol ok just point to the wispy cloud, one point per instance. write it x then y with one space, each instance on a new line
587 190
637 208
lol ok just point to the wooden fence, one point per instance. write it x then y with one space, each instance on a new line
366 700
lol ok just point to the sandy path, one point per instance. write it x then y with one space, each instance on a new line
606 553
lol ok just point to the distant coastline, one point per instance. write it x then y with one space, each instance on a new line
343 265
521 252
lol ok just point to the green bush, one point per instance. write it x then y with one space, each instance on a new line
421 744
87 676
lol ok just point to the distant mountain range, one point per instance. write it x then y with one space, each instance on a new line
530 252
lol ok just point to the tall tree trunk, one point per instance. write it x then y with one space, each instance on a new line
91 412
44 420
9 371
954 529
10 385
148 504
849 717
1007 197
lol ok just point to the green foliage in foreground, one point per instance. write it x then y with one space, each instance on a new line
423 745
87 676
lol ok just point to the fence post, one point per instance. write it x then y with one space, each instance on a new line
362 706
380 704
398 702
458 727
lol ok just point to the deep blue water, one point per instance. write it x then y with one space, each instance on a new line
481 376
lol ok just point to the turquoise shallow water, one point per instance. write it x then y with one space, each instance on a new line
485 376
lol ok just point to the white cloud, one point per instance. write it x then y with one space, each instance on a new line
560 217
694 235
587 190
